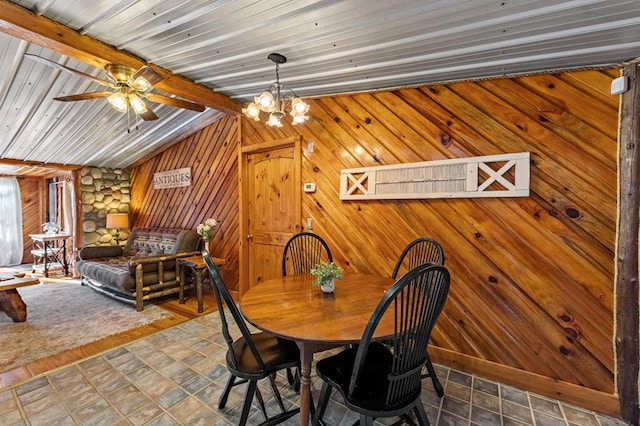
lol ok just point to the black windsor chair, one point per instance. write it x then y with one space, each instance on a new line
419 252
251 357
378 380
303 251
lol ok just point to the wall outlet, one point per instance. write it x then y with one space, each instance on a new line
619 85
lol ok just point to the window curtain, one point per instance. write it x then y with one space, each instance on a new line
69 220
68 212
11 244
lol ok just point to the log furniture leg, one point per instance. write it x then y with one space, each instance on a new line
10 301
12 304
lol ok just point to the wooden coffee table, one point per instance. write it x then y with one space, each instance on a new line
10 301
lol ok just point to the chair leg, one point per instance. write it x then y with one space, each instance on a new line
432 373
261 402
289 376
225 393
296 380
366 420
423 420
323 400
276 393
248 399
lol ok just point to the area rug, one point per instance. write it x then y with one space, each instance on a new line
62 316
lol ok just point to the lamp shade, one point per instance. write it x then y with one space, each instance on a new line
119 101
117 220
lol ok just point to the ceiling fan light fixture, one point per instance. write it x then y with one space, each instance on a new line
132 89
141 84
277 100
138 105
119 101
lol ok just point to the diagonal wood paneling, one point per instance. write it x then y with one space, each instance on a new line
531 302
212 155
532 278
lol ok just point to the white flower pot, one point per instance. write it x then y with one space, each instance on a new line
328 286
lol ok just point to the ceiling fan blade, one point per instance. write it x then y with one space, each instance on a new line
148 74
174 102
65 68
149 115
84 96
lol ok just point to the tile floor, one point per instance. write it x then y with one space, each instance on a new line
176 376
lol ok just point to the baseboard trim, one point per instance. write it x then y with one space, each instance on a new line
570 393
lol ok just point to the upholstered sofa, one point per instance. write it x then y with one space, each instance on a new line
144 269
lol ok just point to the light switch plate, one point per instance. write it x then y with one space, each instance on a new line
309 187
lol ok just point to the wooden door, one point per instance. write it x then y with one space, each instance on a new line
270 194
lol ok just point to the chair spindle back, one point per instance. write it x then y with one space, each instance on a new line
415 301
418 252
222 295
303 251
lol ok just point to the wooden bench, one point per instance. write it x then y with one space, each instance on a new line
10 301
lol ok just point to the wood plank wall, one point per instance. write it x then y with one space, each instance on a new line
212 155
531 300
33 193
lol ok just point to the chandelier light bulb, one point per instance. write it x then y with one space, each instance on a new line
299 106
299 119
266 101
275 120
252 111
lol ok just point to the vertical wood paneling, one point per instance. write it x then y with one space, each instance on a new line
212 155
532 278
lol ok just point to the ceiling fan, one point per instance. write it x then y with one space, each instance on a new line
131 88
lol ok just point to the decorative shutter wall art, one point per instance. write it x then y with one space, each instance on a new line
503 175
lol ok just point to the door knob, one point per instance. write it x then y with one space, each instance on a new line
250 236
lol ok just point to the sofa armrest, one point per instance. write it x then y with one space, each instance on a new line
135 261
139 266
100 251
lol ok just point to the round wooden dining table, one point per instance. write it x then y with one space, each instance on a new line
292 308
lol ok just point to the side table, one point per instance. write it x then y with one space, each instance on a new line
198 267
49 251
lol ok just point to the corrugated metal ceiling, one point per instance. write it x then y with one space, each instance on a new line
332 47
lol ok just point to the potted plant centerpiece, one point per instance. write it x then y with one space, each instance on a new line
326 274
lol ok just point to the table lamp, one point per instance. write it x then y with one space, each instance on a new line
117 221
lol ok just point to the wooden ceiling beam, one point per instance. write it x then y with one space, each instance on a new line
24 163
33 169
22 23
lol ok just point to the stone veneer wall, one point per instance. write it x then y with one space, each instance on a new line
102 191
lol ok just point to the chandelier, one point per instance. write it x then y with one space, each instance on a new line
277 101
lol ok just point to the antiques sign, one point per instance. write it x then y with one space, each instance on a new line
172 178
